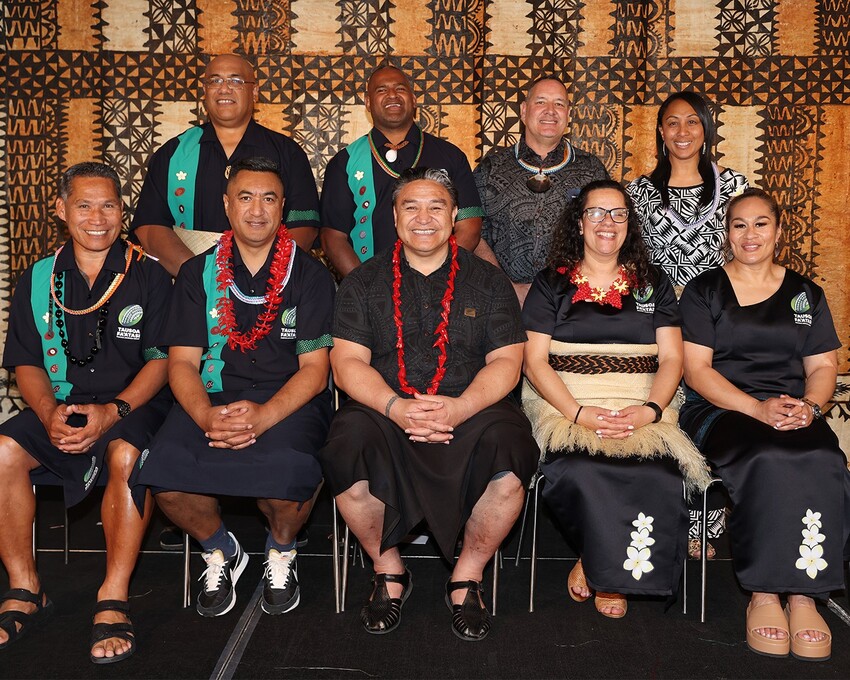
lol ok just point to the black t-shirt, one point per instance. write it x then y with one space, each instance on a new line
125 346
759 348
549 309
338 201
302 201
307 303
484 316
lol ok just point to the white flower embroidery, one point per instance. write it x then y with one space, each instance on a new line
642 539
812 518
358 175
46 317
811 559
812 536
181 176
643 522
638 562
214 313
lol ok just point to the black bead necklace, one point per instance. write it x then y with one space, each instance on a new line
103 313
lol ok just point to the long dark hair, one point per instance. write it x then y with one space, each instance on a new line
568 244
660 176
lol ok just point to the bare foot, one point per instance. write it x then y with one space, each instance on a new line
759 599
801 601
112 646
19 606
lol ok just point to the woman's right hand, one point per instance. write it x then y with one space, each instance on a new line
607 424
782 413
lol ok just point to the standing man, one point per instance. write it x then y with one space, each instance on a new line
187 175
428 432
525 188
357 212
248 331
84 341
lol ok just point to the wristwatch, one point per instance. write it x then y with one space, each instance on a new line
123 407
816 410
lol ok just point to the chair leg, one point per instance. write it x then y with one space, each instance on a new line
67 536
534 547
336 565
497 565
346 543
685 567
522 528
33 524
187 585
704 552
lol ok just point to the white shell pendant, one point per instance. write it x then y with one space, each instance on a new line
391 155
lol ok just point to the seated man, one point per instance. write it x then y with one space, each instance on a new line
84 328
429 433
248 331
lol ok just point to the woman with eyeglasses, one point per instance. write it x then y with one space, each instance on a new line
760 362
603 361
681 205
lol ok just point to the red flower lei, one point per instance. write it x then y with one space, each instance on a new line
226 314
613 296
442 332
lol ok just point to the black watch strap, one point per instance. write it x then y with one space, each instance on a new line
817 412
123 407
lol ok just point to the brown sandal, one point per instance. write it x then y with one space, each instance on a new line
576 579
768 615
807 618
611 600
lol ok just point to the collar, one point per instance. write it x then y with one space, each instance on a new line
251 137
442 270
554 157
413 135
115 259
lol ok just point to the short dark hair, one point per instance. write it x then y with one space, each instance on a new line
437 175
568 245
753 192
87 169
394 67
254 164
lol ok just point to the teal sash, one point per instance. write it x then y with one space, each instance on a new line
211 361
182 177
55 362
363 192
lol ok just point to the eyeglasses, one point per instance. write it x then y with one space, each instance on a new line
234 83
597 215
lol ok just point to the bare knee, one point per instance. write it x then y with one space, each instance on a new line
15 462
506 488
121 457
356 493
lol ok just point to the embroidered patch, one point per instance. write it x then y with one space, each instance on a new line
130 315
638 552
91 473
470 312
287 324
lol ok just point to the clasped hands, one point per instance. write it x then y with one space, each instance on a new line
616 423
784 413
235 426
76 440
430 418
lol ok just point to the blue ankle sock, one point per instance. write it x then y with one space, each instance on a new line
280 547
220 540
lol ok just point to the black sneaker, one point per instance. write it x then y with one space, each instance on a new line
218 596
171 538
281 592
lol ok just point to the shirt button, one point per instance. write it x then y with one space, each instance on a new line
427 305
91 370
254 386
94 397
252 292
253 361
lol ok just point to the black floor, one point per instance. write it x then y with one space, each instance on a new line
560 639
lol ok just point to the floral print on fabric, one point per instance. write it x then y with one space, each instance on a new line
638 552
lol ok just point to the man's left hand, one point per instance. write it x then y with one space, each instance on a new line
430 426
247 413
99 418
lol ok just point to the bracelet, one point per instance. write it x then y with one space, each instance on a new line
655 407
390 403
575 420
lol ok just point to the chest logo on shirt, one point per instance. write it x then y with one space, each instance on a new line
128 317
641 296
287 324
800 305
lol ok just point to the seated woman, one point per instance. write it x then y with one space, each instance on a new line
760 361
603 360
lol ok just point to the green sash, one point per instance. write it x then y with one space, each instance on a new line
54 359
212 363
361 182
182 177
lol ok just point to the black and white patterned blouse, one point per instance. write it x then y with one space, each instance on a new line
685 240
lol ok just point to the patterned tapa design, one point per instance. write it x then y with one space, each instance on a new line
113 79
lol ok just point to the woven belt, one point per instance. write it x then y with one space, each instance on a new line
597 364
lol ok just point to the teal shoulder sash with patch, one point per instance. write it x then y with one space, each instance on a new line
182 176
211 362
361 182
55 362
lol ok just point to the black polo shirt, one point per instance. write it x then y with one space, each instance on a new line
124 346
338 202
309 292
302 202
484 316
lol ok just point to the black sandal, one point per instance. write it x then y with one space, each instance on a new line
104 631
470 620
382 614
9 620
